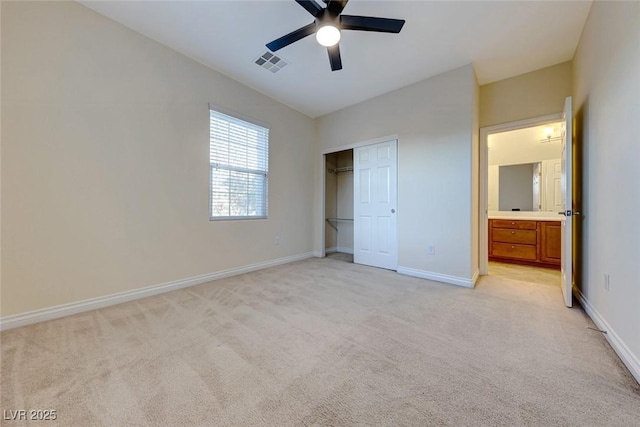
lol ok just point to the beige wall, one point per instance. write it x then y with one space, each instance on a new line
606 111
529 95
433 120
105 162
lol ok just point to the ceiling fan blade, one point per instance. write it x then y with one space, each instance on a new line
369 23
292 37
310 6
336 6
334 57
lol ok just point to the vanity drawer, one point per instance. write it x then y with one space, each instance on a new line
517 251
527 237
518 224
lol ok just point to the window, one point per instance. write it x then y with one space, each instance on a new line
239 163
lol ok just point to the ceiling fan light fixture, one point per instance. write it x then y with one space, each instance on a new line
327 25
328 35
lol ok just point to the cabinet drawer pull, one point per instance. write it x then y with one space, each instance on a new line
513 232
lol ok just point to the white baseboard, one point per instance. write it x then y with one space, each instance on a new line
628 358
331 250
453 280
474 278
55 312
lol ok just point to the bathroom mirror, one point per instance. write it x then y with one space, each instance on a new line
517 186
527 187
525 170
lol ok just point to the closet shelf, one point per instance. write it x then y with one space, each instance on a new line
331 220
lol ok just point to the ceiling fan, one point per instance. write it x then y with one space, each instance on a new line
328 24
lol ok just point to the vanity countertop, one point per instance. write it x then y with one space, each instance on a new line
526 216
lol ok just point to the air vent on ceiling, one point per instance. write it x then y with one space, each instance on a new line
271 62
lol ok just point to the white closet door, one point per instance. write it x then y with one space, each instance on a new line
375 202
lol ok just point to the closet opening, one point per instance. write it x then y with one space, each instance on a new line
338 205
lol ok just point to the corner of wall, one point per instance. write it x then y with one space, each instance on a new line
475 178
0 166
82 115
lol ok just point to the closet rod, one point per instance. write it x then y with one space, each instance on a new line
340 170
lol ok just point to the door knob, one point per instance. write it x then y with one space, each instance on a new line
393 211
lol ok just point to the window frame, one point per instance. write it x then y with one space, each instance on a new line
264 173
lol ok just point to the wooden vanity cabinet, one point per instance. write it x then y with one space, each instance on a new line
525 242
550 242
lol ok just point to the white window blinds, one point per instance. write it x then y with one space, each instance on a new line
239 159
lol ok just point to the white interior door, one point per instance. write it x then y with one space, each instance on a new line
375 240
567 213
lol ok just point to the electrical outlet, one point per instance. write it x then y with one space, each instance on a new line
276 241
606 282
431 250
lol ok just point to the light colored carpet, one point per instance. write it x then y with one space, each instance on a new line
323 342
537 275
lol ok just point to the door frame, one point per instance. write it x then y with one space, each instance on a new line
483 215
323 171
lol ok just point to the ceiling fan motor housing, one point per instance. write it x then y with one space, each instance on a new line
326 17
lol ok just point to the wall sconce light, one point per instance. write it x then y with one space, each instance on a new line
548 135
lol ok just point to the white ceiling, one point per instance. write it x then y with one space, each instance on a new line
502 39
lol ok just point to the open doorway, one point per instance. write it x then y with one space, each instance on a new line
521 195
